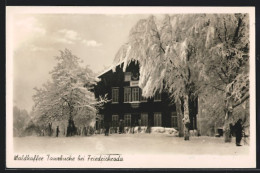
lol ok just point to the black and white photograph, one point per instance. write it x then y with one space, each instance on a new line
130 87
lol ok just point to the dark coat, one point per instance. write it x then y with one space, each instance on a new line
57 131
238 131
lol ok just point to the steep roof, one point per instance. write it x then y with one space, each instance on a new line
110 68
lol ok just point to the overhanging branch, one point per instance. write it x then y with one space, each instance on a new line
222 79
242 100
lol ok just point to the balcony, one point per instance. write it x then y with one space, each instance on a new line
135 104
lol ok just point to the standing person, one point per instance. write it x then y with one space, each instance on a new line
120 126
139 126
238 131
42 132
107 128
149 127
84 131
57 131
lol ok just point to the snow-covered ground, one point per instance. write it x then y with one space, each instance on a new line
140 143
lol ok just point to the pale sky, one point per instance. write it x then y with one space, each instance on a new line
38 33
37 39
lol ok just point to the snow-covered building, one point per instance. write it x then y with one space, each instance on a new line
128 105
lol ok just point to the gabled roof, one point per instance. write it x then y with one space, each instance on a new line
110 68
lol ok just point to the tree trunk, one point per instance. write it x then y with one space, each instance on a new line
227 130
50 129
71 130
228 116
186 119
179 118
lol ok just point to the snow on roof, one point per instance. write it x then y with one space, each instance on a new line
110 68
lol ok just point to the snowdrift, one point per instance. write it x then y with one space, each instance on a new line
143 129
165 130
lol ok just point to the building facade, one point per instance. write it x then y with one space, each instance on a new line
127 104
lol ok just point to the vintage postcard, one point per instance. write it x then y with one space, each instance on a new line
130 87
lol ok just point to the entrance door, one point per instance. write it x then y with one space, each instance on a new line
157 119
135 119
144 119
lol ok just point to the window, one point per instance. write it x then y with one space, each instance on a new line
157 96
157 119
174 119
135 76
127 94
144 119
127 118
115 92
127 76
114 120
135 94
142 99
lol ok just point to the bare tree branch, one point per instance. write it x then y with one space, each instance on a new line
242 100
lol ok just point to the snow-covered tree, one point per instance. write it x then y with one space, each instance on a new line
171 56
227 61
20 120
177 54
68 95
